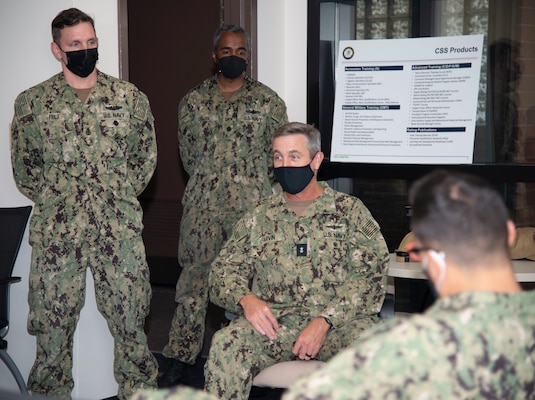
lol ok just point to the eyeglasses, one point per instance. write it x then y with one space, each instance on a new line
415 250
418 250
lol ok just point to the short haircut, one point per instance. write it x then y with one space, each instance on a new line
312 134
233 29
69 17
461 214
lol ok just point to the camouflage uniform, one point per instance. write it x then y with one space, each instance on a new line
84 166
225 147
473 345
331 261
174 393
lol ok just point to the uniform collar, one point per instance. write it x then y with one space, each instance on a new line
324 204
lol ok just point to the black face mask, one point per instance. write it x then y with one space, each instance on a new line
232 66
294 179
82 62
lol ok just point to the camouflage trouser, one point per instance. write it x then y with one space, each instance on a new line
239 353
56 296
202 235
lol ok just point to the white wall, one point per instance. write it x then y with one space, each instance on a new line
27 60
282 52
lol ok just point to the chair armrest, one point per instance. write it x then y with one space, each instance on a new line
387 310
11 279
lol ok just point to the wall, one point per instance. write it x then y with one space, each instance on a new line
282 51
25 25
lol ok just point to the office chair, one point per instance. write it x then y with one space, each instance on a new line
12 226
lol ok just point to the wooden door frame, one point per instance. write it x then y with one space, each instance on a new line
122 15
237 12
244 14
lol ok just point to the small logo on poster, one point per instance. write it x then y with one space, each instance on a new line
348 53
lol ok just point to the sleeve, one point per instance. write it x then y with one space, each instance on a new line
186 142
142 154
173 393
395 359
26 150
347 376
364 289
278 112
335 380
232 270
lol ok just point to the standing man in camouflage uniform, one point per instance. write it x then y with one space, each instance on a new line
477 340
320 266
83 149
226 125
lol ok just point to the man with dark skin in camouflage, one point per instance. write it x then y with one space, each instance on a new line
83 149
225 129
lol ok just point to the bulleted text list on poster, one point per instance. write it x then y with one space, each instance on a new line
407 101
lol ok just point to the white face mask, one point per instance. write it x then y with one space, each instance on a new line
440 258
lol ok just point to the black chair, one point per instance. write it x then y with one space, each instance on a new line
12 226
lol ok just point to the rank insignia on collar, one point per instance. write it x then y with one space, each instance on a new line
301 250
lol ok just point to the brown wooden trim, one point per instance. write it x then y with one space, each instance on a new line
122 14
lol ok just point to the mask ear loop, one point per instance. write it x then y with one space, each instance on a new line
440 259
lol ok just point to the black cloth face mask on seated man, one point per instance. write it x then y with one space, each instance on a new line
294 179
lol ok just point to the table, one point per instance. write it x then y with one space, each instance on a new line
524 269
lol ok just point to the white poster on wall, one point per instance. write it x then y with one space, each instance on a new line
407 101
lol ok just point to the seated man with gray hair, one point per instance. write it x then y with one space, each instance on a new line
320 266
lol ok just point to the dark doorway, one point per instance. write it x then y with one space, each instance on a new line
169 52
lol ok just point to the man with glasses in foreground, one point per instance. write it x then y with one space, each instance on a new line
477 340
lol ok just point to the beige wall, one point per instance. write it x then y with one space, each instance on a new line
282 51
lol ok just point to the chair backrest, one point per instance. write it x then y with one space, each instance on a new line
13 222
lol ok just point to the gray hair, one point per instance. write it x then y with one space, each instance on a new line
233 29
312 134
